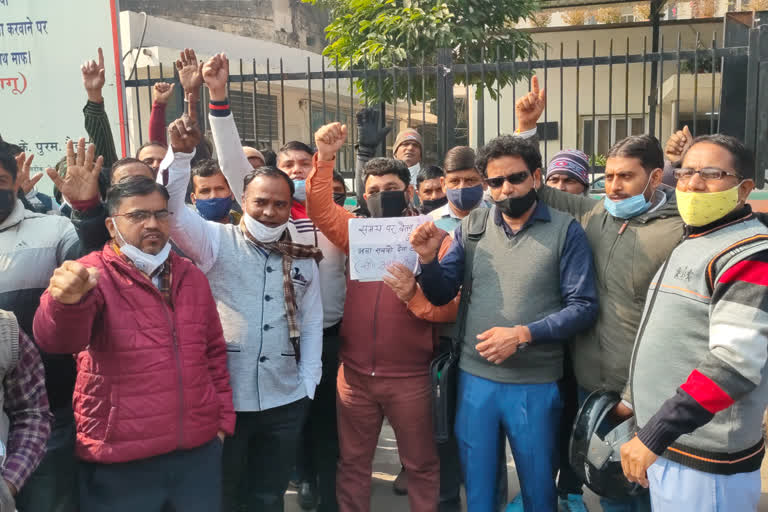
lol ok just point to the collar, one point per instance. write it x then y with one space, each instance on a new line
540 213
444 211
298 210
736 216
17 215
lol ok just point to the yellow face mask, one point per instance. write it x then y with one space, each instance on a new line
701 208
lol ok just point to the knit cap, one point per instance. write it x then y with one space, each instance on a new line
572 162
409 134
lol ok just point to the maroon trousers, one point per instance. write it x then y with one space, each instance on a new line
362 403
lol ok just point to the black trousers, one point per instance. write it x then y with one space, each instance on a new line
567 481
188 481
258 459
319 448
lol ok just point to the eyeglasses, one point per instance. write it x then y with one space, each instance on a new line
707 173
513 179
140 216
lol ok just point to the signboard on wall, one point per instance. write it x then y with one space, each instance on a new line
43 43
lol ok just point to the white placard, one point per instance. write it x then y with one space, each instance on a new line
43 43
376 243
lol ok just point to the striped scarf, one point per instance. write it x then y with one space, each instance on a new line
289 252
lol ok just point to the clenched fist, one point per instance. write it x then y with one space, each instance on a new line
216 75
162 92
71 281
329 139
677 144
426 240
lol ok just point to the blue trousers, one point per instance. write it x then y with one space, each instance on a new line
529 414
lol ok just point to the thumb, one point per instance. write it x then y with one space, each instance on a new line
343 132
34 180
384 131
687 133
54 176
93 278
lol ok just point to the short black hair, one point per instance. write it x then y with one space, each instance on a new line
270 157
459 158
8 160
429 172
382 166
294 145
509 145
645 148
132 186
338 177
150 143
743 158
126 161
206 168
268 171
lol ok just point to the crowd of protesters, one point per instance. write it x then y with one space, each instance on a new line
181 333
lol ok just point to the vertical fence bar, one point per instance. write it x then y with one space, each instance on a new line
366 99
439 110
242 100
352 122
466 90
645 67
696 84
138 110
660 88
514 87
382 105
309 90
423 98
626 90
394 91
676 124
338 110
578 76
546 131
610 94
714 70
481 101
282 102
594 106
530 65
498 91
561 96
269 101
255 109
229 87
408 85
322 74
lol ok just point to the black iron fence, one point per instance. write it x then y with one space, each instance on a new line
594 99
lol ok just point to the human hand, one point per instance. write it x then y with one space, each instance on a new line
81 182
93 78
499 343
71 281
369 134
162 92
426 240
184 133
401 281
23 181
636 458
190 72
329 139
529 108
221 435
216 75
621 412
677 144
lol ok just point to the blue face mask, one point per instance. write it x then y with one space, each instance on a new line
465 199
301 190
215 208
630 207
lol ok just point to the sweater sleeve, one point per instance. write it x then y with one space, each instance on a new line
99 131
422 308
157 123
234 164
331 219
311 341
577 206
738 350
66 328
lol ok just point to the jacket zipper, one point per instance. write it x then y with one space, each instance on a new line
375 316
177 359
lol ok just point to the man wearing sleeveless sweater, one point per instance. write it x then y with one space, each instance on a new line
267 292
536 264
697 376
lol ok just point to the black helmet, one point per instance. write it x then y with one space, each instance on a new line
595 444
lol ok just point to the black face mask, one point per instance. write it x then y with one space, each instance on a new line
515 207
433 204
339 198
7 203
390 203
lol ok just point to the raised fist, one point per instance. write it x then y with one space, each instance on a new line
184 134
529 108
162 92
216 75
329 139
71 281
677 144
426 240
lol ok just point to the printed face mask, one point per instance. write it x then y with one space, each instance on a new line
702 208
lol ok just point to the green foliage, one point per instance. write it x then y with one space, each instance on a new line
597 160
374 34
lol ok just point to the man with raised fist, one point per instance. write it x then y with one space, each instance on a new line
152 399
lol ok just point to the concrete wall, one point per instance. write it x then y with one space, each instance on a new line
287 22
623 88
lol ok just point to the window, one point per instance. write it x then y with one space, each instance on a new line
547 131
627 18
597 137
256 120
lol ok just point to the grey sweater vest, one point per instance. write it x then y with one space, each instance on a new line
516 281
676 339
247 285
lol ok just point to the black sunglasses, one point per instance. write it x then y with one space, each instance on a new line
513 179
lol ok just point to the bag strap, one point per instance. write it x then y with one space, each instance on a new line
475 229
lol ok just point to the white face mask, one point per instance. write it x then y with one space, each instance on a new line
261 232
147 263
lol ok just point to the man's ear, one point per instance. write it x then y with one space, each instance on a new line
192 197
656 176
443 185
746 188
537 178
108 222
409 192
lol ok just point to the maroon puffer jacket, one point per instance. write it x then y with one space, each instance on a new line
150 379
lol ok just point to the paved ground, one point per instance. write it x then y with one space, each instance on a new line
387 465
